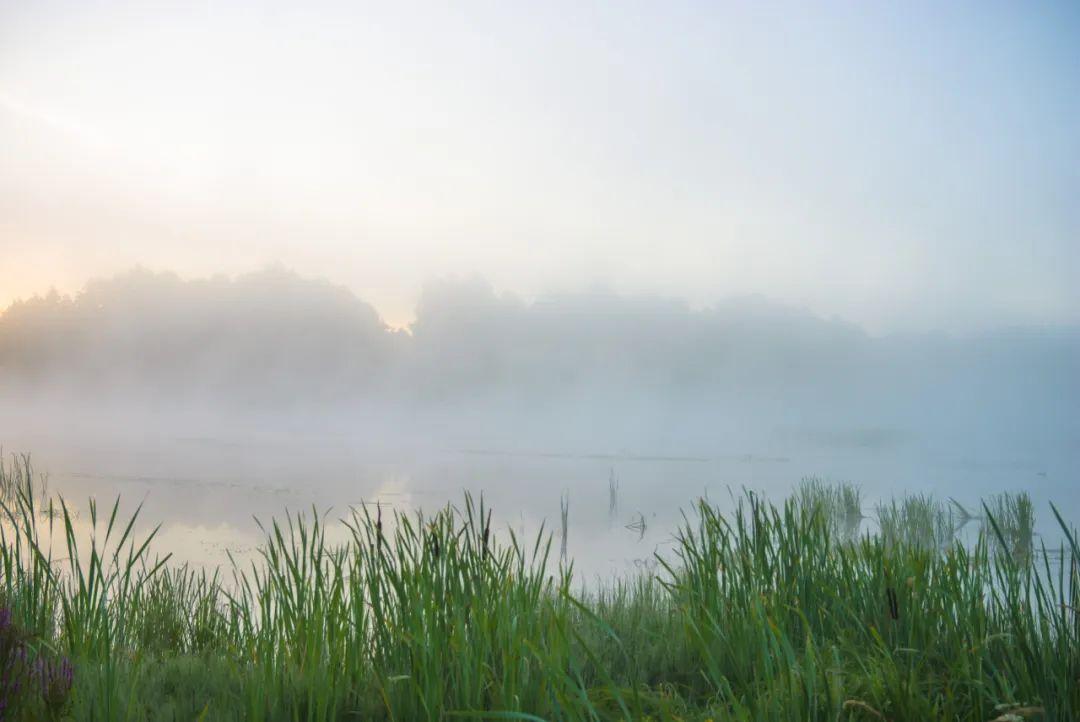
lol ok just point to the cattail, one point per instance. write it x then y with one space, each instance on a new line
487 533
378 525
894 610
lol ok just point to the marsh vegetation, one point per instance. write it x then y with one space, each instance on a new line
762 611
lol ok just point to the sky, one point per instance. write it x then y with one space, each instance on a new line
904 166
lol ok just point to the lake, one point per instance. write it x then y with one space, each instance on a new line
207 492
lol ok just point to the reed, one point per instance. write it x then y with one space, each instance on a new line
839 504
1014 517
918 520
762 613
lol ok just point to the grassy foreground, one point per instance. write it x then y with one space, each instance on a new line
769 612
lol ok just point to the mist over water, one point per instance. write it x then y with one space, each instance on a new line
215 400
539 360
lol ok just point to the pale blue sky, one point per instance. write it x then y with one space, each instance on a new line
905 165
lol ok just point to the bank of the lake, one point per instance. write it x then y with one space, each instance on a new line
773 611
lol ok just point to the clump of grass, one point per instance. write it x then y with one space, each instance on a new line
918 521
1013 520
839 504
17 477
409 619
763 613
786 623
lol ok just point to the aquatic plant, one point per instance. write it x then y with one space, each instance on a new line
1013 520
760 612
839 504
918 521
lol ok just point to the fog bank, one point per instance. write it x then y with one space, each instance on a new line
272 350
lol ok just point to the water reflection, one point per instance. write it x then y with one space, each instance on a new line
611 511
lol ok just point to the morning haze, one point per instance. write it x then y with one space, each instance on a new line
626 360
587 373
906 168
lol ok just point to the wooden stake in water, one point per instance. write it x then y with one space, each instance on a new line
613 497
564 504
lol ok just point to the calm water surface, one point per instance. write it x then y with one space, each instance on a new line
207 492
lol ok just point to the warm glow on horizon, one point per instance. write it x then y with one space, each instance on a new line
899 171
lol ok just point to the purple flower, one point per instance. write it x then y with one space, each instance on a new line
50 677
12 661
55 678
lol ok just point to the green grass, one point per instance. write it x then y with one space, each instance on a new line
839 503
767 612
918 520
